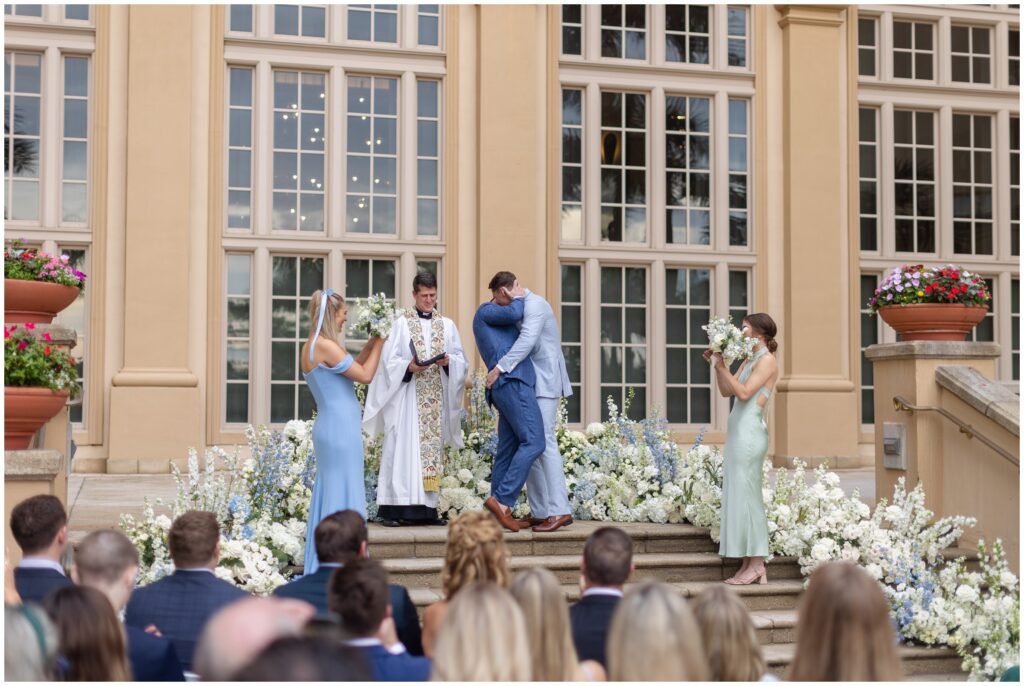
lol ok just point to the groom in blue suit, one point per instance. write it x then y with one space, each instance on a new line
520 424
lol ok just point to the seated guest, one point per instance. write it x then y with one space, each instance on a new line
483 637
476 551
91 636
306 659
542 601
180 604
40 528
606 565
844 629
108 562
654 637
237 633
340 538
729 637
359 595
30 644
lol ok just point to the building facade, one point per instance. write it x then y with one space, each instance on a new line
643 167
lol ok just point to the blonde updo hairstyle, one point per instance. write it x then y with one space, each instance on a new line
476 551
330 329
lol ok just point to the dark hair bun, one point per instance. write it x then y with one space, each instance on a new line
771 344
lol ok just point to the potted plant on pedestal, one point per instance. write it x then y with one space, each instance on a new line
931 304
38 378
37 286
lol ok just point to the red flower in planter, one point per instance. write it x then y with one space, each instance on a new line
30 325
46 351
47 337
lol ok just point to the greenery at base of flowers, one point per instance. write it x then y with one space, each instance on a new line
28 264
625 470
914 284
35 362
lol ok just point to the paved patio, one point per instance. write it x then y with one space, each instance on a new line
98 500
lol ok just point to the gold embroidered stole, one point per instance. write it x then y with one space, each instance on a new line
429 398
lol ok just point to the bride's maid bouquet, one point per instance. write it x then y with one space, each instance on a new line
727 340
376 315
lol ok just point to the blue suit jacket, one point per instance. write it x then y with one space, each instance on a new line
35 584
179 605
312 588
591 618
152 658
401 667
495 330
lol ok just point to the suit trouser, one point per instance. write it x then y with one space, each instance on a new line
545 486
520 439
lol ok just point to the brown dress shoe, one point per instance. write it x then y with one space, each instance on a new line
553 524
528 521
504 518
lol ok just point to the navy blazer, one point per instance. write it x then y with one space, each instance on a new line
591 618
401 667
312 588
152 658
35 583
179 605
495 330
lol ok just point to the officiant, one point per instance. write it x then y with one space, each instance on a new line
415 401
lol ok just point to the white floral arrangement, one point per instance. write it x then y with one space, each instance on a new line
625 470
376 316
727 339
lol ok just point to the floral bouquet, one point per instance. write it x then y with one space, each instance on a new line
724 338
26 264
911 284
376 315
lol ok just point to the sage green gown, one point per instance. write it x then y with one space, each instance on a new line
744 530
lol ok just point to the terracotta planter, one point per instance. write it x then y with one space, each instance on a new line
26 410
933 321
35 301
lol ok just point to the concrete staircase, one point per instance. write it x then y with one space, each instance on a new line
681 555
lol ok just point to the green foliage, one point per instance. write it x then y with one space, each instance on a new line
33 363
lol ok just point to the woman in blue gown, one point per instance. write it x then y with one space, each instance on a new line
337 433
744 528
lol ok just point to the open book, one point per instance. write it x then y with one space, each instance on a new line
425 363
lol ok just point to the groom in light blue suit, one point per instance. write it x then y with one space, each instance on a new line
539 342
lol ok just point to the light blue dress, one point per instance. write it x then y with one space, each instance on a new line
744 530
338 447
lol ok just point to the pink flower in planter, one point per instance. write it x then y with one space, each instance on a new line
47 337
22 344
30 325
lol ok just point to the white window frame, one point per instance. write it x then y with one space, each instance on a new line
914 51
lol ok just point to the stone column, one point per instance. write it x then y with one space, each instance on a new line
156 407
908 370
512 180
817 402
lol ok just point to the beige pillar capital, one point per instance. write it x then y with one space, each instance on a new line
156 406
817 400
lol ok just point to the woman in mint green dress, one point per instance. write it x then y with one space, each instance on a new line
744 532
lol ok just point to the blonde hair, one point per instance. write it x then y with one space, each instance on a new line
483 638
330 329
542 601
654 637
476 551
844 630
730 639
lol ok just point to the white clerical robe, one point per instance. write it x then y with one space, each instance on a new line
391 410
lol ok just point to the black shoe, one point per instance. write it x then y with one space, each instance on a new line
436 521
390 523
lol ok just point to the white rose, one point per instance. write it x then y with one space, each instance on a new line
595 429
1007 579
465 476
967 593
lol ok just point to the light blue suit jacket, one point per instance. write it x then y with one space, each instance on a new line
540 341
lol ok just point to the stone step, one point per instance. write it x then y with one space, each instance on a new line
429 541
670 567
776 596
917 661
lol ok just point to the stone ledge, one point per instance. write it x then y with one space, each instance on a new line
908 350
59 335
32 465
988 397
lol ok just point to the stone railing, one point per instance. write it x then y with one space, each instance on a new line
940 418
